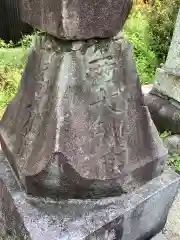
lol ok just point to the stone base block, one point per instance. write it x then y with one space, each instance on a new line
136 216
164 112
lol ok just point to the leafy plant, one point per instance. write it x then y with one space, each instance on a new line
162 18
5 45
9 80
165 134
174 161
174 158
12 61
9 76
26 41
136 32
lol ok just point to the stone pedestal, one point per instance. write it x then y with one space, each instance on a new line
83 157
134 216
78 126
164 99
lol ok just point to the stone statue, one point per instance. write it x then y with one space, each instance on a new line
78 127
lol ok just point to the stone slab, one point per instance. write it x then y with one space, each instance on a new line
165 115
78 126
80 19
136 216
168 83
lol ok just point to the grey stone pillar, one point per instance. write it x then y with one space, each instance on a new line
167 79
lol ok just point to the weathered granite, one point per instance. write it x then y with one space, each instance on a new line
167 83
135 216
173 143
167 79
164 112
78 126
80 19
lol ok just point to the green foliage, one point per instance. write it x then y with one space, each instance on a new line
165 134
9 79
13 56
5 45
162 18
12 61
136 30
26 41
8 76
174 161
174 158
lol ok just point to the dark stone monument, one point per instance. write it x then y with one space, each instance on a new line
81 157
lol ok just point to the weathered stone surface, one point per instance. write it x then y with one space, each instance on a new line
164 112
173 143
80 19
167 83
173 58
160 236
167 79
78 126
136 216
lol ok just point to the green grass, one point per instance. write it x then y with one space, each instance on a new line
174 161
174 158
12 60
13 56
136 31
11 64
